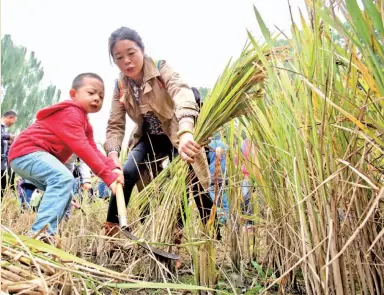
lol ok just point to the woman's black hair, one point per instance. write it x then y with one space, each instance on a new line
124 33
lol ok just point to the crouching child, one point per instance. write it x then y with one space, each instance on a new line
40 151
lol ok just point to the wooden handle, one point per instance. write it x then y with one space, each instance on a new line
121 206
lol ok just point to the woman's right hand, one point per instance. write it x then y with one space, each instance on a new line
115 158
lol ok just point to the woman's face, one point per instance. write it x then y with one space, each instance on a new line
129 58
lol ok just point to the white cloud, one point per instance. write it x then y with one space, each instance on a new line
196 37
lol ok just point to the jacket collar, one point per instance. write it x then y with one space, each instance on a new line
150 69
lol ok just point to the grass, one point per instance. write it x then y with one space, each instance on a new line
85 256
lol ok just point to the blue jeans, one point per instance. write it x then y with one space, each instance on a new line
103 190
76 186
49 175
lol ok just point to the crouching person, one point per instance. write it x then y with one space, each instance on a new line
41 150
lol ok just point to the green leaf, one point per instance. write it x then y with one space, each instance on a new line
263 27
259 268
374 15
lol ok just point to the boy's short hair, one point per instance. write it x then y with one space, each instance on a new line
10 114
78 81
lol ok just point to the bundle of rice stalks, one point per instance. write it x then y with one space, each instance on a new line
240 83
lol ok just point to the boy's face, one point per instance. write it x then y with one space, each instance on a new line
90 96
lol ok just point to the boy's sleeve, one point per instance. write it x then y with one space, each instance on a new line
107 161
72 133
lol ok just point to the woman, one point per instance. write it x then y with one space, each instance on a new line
164 110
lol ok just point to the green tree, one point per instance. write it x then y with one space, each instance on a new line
203 92
281 42
21 78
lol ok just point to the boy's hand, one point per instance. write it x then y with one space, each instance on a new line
120 175
112 186
115 158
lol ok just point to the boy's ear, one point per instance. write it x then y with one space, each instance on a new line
72 93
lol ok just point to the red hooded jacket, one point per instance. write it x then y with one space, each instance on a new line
61 130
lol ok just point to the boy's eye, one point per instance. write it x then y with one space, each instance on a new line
91 93
131 53
119 57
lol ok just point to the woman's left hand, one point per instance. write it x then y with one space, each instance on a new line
188 147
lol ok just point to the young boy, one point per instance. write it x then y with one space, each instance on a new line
40 151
